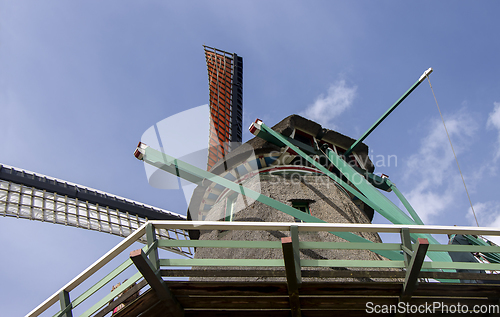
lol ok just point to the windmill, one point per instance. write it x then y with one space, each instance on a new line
294 143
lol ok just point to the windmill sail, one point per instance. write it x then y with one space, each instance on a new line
225 80
28 195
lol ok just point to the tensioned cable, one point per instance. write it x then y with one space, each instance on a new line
456 160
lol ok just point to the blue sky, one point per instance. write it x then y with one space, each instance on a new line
81 81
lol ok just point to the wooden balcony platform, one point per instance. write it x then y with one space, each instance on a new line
316 298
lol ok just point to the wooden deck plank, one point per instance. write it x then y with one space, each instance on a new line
235 302
316 298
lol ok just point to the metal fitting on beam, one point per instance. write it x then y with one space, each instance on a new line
425 74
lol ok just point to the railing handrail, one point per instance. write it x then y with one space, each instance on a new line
304 227
94 267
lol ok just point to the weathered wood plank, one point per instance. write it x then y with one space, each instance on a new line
231 313
162 291
316 299
235 302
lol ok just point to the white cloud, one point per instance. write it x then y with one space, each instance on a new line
494 122
326 108
433 169
488 215
428 203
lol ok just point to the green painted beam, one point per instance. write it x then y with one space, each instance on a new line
281 263
100 284
388 209
183 169
367 193
375 180
374 199
321 245
105 280
462 266
492 257
350 246
222 262
106 299
371 196
463 248
150 248
220 244
328 263
277 245
276 138
151 240
405 202
406 245
387 113
353 263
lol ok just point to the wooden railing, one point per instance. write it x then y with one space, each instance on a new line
153 270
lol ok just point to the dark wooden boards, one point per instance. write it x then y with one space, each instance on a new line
243 299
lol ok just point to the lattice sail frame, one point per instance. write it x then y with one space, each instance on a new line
225 80
26 202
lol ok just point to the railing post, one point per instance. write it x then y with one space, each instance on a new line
65 304
294 234
151 239
292 264
406 245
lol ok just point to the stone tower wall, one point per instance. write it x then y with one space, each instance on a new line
326 201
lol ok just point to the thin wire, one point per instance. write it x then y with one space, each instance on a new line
456 160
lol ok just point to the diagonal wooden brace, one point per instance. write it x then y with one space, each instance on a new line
293 280
413 269
154 280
